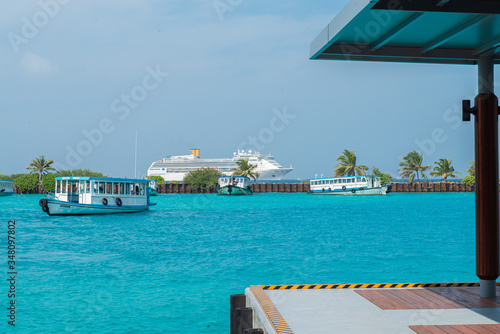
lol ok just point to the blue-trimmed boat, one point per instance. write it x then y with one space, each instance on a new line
6 187
77 195
234 185
348 185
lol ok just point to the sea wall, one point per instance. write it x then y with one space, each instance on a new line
174 188
434 187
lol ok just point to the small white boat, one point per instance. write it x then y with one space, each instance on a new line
234 185
348 185
6 187
97 195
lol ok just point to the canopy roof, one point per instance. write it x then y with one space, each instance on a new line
426 31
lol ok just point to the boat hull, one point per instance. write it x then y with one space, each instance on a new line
60 208
352 192
232 190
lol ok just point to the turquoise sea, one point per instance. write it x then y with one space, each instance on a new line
172 269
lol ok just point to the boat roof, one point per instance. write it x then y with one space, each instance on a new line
230 176
424 31
6 181
89 178
340 177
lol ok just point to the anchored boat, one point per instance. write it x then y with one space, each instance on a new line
348 185
234 185
97 195
6 187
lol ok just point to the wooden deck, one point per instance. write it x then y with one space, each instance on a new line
443 308
434 298
457 329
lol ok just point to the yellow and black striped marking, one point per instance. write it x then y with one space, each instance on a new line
279 324
368 286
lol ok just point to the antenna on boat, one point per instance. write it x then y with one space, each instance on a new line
135 169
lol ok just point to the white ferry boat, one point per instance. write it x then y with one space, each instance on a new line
175 168
234 185
6 187
348 185
97 195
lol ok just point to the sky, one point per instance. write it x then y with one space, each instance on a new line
79 79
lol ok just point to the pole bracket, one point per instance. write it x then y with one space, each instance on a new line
467 110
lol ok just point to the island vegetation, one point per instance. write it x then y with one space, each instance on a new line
245 169
202 178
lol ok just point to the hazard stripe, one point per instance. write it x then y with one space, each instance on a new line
368 286
277 322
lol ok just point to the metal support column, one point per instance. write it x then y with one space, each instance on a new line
487 196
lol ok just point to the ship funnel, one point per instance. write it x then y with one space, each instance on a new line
195 151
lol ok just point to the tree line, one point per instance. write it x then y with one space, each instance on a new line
410 167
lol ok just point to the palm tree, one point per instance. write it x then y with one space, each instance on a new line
411 166
347 165
41 166
471 168
444 169
245 169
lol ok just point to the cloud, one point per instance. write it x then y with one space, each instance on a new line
36 65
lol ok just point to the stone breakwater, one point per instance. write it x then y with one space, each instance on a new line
398 187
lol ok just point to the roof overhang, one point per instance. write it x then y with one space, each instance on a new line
425 31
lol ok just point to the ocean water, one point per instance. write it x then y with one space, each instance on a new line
172 269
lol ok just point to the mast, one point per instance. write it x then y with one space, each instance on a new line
135 168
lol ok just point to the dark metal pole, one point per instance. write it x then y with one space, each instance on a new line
487 196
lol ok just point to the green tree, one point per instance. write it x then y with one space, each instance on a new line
471 168
385 178
469 180
41 166
412 165
347 165
11 177
245 169
159 179
444 169
49 182
202 178
27 182
80 172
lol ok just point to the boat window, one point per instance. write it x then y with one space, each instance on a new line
142 188
136 189
109 188
101 188
353 179
344 181
87 187
82 187
122 188
358 179
115 188
364 179
64 187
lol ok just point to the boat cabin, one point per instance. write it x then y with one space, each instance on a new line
345 183
100 190
6 187
236 181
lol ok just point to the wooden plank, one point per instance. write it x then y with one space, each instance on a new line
394 295
434 303
449 329
379 300
465 329
424 301
420 329
467 297
442 299
489 329
404 294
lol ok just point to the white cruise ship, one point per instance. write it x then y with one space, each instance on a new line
175 168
